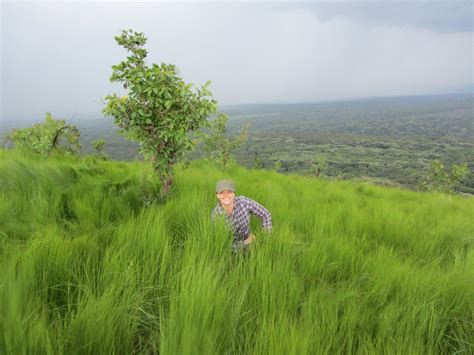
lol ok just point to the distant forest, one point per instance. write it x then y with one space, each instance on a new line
389 141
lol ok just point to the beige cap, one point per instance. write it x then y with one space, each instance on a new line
225 185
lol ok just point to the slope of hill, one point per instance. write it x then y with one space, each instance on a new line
92 263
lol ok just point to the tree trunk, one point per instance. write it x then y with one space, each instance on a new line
165 179
226 159
55 140
166 184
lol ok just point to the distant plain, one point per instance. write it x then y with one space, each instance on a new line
388 140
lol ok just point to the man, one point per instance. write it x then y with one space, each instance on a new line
236 211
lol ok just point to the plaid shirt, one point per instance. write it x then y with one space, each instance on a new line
239 219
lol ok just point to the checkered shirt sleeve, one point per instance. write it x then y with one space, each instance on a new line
260 211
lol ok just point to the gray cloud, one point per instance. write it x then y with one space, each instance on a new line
453 16
58 56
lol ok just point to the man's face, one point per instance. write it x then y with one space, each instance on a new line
226 197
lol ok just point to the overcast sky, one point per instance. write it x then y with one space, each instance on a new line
57 56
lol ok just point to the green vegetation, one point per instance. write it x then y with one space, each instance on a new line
98 146
389 141
45 138
440 180
318 166
93 263
218 145
160 110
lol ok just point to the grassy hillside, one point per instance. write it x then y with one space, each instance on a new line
92 264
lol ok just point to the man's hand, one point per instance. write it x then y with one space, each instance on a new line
250 239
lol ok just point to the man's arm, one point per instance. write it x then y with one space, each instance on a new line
260 211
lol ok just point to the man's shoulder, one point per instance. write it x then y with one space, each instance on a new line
244 201
242 198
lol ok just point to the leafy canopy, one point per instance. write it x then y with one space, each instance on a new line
441 180
53 135
218 145
98 146
160 110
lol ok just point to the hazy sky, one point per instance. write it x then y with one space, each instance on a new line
57 56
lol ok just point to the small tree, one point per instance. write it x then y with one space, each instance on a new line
98 146
318 165
257 162
218 145
47 137
440 180
160 109
277 166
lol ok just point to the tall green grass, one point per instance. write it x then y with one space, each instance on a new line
93 263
